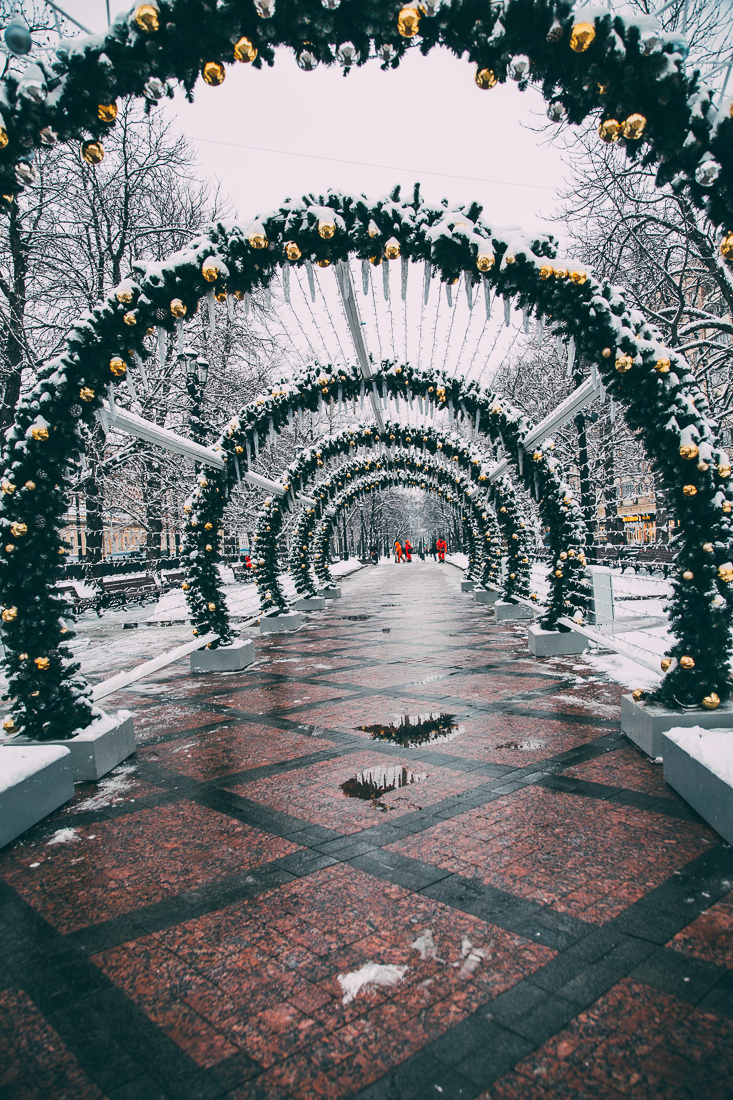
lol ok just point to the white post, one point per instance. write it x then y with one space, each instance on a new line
602 594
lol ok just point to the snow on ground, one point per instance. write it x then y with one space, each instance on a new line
370 974
622 670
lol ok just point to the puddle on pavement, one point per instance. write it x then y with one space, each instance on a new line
355 618
415 729
372 783
530 745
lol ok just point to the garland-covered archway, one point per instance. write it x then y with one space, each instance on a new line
654 384
625 69
389 469
455 490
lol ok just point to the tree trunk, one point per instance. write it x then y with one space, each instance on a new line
152 485
13 349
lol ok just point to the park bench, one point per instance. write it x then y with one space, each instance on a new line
80 601
136 588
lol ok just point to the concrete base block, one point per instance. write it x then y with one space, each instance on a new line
645 724
34 781
504 610
97 749
280 624
227 658
467 586
310 603
331 592
552 643
707 793
486 595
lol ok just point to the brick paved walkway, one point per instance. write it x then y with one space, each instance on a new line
557 922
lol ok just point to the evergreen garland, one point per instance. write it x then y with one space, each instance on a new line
623 68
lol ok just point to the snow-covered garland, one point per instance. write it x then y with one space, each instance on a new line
477 505
660 396
429 441
625 69
434 481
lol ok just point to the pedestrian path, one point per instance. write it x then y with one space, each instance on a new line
397 858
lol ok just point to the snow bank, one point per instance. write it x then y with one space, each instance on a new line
18 762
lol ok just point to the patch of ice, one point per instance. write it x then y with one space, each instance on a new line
472 957
109 790
370 974
426 945
64 836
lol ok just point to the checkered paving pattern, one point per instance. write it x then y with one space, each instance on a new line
538 915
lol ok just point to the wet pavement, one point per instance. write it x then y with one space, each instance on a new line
520 907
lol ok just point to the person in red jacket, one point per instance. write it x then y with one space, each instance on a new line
441 546
408 550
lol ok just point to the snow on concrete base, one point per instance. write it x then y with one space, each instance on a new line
504 610
370 974
698 763
310 603
99 747
331 592
227 658
34 781
644 724
467 586
553 643
280 624
486 595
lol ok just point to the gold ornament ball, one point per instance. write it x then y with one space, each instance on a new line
258 240
711 701
10 614
86 393
546 271
606 353
211 606
9 725
624 363
485 79
724 471
688 575
687 662
213 73
292 251
107 112
8 487
666 663
726 246
688 450
725 573
689 490
178 308
209 547
662 366
4 139
324 263
130 318
326 228
637 694
708 547
42 663
558 573
117 366
30 484
537 456
18 529
146 18
509 258
609 130
727 507
392 248
578 277
210 271
245 50
40 434
92 152
561 273
581 37
408 22
633 127
485 261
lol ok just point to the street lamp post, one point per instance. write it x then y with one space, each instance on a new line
197 373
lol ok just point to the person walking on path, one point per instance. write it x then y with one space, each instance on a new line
441 546
408 550
397 551
433 549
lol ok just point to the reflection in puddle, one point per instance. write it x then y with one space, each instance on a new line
372 783
355 618
530 745
416 729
